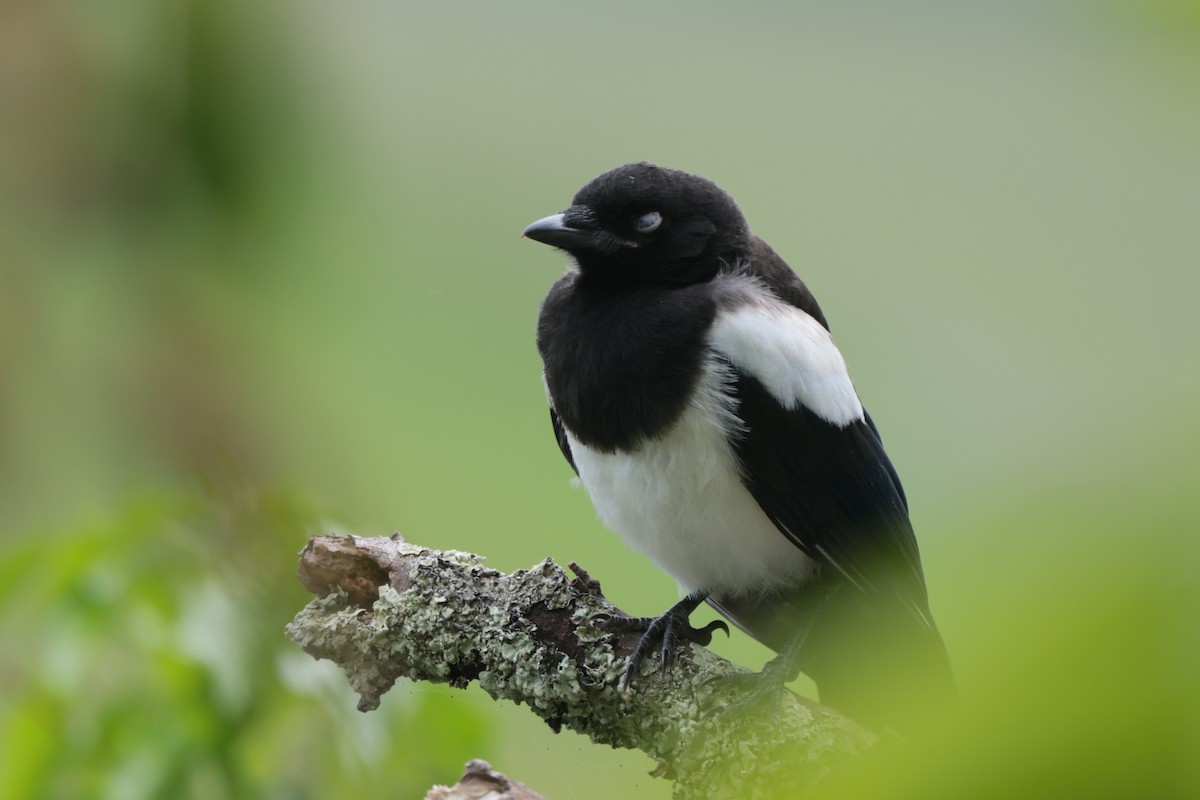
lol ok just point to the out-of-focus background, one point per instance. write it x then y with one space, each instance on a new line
261 277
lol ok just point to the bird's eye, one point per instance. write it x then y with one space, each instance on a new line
647 223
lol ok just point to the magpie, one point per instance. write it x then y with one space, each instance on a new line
696 391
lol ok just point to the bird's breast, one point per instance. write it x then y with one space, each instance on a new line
620 367
679 499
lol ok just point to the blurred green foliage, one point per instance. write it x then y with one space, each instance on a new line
148 661
260 277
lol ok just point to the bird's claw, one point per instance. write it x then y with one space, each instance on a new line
703 636
663 633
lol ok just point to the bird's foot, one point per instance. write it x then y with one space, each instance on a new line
762 691
664 633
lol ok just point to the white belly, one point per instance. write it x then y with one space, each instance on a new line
680 500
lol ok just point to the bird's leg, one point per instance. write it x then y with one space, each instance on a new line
771 682
664 632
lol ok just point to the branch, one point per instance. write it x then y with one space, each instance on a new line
387 609
481 782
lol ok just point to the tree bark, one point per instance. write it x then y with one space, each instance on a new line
387 609
480 782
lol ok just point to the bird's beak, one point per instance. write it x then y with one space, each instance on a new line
571 230
556 231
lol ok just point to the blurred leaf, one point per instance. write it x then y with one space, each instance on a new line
144 660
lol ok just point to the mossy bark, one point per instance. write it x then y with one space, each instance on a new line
387 609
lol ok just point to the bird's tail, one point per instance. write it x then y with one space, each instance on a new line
887 670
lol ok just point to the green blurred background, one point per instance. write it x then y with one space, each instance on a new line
261 277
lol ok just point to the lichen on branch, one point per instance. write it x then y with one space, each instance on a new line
387 609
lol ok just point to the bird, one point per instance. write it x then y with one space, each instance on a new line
696 391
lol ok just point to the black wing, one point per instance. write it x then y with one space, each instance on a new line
831 491
862 629
560 434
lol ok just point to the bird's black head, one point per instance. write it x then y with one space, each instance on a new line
644 224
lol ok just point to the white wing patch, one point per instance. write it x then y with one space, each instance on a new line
791 354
